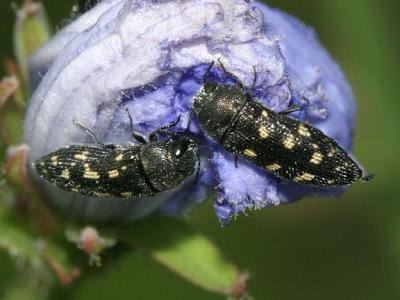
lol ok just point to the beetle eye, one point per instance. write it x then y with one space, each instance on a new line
181 148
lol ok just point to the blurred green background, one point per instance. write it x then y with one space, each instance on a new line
347 248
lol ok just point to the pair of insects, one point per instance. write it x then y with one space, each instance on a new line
286 147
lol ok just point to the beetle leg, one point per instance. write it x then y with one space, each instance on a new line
164 129
290 109
236 160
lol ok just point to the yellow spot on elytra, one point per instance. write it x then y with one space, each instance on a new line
304 177
338 168
265 113
91 175
42 163
250 153
315 146
289 143
263 131
54 160
330 181
302 130
332 152
126 194
316 158
75 190
81 156
119 157
73 164
273 167
123 168
100 195
113 173
87 167
65 174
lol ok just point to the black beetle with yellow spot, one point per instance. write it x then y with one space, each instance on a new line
288 148
121 171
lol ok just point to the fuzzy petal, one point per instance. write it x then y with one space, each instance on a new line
150 56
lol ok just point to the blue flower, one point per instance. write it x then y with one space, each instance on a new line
150 56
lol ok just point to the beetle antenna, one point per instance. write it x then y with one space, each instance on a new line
368 177
208 71
88 131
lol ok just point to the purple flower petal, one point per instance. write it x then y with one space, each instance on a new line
150 56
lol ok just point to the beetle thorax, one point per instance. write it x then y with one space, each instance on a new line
216 108
165 166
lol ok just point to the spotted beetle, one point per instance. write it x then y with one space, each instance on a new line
85 5
121 171
288 148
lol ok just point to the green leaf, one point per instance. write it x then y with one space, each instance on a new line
8 86
15 169
6 192
11 112
31 31
15 239
58 256
25 250
44 260
18 289
11 124
186 252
